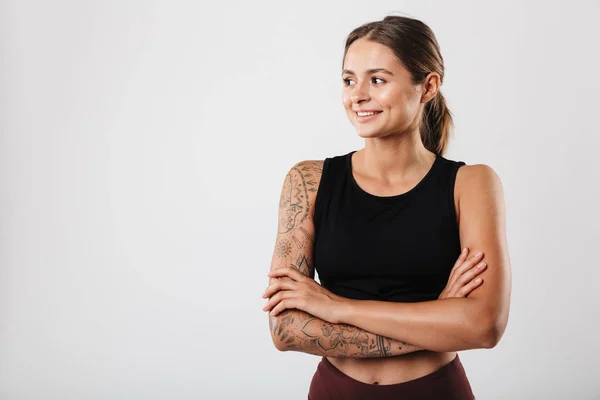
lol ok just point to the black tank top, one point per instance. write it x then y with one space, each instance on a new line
397 248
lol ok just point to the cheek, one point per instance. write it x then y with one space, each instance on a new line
346 100
395 101
390 99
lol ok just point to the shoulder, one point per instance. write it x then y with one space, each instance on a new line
302 182
478 183
477 175
307 173
309 166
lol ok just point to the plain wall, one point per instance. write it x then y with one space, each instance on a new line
143 145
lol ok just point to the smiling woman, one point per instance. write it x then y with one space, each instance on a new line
384 227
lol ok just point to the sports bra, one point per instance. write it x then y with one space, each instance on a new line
397 248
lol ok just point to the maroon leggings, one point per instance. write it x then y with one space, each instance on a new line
447 383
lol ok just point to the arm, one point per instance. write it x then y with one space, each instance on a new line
297 330
454 324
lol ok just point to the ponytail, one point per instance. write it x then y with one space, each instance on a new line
436 125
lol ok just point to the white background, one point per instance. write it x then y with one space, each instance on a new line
144 145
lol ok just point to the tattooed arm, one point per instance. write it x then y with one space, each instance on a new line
296 330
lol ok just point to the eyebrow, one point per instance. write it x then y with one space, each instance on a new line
369 71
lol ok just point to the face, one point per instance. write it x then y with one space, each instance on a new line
374 80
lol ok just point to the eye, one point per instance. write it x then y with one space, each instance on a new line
348 80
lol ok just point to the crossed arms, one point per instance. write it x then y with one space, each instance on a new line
382 329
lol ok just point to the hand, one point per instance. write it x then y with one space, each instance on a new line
461 282
292 289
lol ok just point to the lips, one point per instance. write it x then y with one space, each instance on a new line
366 118
367 111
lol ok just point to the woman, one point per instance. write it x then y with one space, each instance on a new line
384 227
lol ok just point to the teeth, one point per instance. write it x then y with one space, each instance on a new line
364 114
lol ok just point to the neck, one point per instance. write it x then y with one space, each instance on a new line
395 158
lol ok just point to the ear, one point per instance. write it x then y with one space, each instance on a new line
430 85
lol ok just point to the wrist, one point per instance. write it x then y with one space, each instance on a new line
344 308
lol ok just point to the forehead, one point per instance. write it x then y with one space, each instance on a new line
365 54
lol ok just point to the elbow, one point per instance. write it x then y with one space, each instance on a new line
274 323
490 338
491 332
488 326
278 344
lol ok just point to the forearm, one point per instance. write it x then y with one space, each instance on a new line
295 330
452 324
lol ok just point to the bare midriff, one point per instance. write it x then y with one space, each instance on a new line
392 370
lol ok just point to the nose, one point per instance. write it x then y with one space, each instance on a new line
359 93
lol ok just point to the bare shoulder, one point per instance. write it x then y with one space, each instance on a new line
300 189
477 182
477 176
312 169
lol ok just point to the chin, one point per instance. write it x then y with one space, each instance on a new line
369 134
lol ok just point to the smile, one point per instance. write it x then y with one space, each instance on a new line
366 116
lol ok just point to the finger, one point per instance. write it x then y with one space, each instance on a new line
471 273
285 304
461 258
467 264
276 287
468 276
274 300
469 287
290 272
459 269
281 284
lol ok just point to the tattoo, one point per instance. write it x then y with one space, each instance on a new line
302 265
304 332
283 248
308 235
294 207
341 337
298 330
282 325
384 345
294 202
